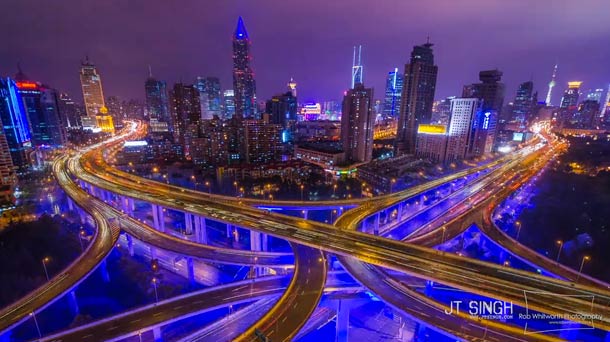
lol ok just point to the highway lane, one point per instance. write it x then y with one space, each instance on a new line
299 301
469 275
167 311
103 241
425 309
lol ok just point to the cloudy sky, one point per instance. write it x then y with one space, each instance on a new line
309 40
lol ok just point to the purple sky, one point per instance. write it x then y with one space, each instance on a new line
309 40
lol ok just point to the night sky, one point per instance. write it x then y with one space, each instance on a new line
309 40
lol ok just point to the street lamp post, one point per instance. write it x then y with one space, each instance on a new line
44 266
518 229
81 235
560 243
443 240
33 314
582 264
154 281
392 184
235 185
209 187
334 190
302 187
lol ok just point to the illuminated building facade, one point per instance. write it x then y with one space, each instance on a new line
228 104
431 142
357 68
91 84
292 87
104 121
311 111
571 95
263 141
357 124
15 123
42 108
70 110
393 93
8 179
186 115
418 89
524 103
244 85
157 102
459 134
209 97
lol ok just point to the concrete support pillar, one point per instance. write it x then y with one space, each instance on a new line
428 288
161 214
82 215
376 224
157 334
104 271
188 223
264 242
130 245
400 211
569 331
73 302
229 230
153 252
70 204
190 270
131 205
155 216
255 241
420 332
202 236
343 310
386 216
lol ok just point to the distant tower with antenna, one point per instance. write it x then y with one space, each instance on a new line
357 67
551 86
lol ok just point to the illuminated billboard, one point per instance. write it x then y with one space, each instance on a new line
432 129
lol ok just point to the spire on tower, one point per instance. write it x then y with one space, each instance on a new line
240 30
551 85
150 71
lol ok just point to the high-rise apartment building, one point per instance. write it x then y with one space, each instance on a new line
571 95
244 85
393 93
263 141
15 123
91 84
524 103
186 115
357 124
418 89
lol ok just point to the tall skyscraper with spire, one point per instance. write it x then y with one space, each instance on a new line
419 85
292 87
244 85
91 83
357 69
551 86
157 102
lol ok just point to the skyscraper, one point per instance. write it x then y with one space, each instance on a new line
393 93
549 94
41 105
524 103
15 123
595 95
186 115
605 106
157 103
69 110
571 95
282 110
209 96
91 83
8 179
417 97
357 124
490 90
459 135
263 141
292 87
357 68
244 85
228 104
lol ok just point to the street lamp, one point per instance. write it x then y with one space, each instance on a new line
209 187
302 187
154 281
443 240
81 235
33 314
518 229
392 184
334 190
560 243
44 265
235 185
582 264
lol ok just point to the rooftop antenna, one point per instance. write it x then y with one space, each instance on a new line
150 71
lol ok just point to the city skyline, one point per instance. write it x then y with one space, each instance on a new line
318 60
